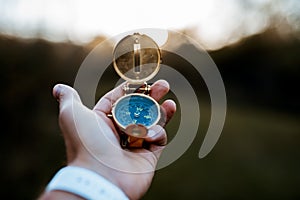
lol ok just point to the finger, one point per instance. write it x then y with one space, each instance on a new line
156 139
159 89
157 135
106 102
168 108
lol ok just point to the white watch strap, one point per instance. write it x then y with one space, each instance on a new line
85 183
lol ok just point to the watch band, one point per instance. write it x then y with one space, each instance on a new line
85 183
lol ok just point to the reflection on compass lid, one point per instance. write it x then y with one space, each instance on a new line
136 58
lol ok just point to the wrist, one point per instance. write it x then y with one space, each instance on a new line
84 183
123 180
96 166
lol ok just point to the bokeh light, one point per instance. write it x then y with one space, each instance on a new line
214 23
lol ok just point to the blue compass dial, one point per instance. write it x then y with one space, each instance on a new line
136 109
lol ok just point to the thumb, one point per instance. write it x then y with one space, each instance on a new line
65 95
67 98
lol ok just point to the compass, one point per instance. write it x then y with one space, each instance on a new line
136 109
136 59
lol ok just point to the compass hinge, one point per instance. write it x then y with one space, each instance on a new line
134 88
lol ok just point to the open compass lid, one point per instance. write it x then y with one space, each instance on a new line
136 58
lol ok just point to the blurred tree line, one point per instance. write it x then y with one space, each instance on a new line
262 70
257 155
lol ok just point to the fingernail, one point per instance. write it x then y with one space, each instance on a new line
58 89
151 133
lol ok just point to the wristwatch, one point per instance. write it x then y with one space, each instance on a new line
136 59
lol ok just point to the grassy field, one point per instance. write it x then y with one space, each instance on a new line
256 157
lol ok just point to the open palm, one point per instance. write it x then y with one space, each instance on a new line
92 139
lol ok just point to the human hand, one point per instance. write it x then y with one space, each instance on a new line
92 139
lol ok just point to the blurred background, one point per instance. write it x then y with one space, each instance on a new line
254 43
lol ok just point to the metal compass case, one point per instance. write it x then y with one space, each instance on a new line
136 59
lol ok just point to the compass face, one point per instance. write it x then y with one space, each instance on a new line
136 109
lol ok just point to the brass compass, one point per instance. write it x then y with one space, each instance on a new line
136 59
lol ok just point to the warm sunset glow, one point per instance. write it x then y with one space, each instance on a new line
215 23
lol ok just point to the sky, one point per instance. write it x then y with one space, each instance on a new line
215 23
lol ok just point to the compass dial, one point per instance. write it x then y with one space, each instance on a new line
136 109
